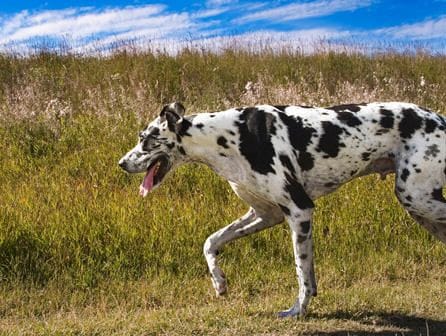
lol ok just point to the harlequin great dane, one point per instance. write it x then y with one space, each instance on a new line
279 159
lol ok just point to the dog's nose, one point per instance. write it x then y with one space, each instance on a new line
122 164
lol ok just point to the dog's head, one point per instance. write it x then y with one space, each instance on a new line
157 149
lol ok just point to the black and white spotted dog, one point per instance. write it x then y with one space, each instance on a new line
279 159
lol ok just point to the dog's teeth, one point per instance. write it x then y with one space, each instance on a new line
157 167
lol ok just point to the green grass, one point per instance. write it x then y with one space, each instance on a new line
82 253
154 307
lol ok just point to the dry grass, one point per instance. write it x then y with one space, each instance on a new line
364 308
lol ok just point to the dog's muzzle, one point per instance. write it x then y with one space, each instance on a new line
123 164
155 172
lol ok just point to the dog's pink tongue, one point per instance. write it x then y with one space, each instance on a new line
147 183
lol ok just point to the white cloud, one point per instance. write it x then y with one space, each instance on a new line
140 36
154 26
296 11
303 41
86 23
207 13
48 16
11 25
218 3
429 29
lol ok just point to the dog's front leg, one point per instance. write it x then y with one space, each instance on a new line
215 241
301 233
253 221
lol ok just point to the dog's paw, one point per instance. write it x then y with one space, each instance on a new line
220 288
219 283
294 311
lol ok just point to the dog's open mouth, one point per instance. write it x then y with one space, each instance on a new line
154 175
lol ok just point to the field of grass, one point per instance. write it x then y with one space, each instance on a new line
82 254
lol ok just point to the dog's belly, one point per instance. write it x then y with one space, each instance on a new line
364 158
324 181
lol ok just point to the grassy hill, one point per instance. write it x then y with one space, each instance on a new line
82 254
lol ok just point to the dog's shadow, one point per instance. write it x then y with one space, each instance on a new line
385 324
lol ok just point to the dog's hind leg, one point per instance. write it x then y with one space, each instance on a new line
301 233
420 191
259 217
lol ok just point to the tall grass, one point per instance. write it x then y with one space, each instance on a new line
69 216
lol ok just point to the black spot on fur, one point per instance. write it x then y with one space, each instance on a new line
349 119
349 107
303 256
154 131
382 131
147 144
231 132
285 210
305 226
301 238
305 161
410 123
297 193
366 156
181 150
255 128
405 174
426 109
180 129
199 126
387 119
286 162
171 126
281 107
300 138
431 151
431 125
330 140
437 195
221 141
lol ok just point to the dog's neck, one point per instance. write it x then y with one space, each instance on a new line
210 142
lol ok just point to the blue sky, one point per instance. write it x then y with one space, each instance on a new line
166 22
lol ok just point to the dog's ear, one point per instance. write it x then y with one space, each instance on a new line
173 113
